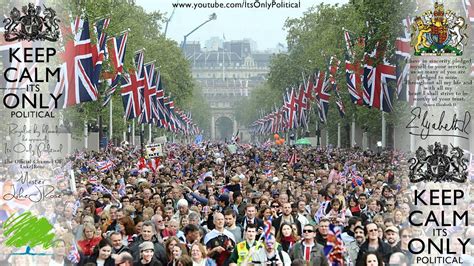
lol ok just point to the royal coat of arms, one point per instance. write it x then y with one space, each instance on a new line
439 32
32 26
438 166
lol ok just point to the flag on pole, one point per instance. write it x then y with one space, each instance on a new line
334 248
73 255
76 83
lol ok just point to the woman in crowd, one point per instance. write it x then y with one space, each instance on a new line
354 206
199 256
372 258
127 229
170 243
89 239
102 254
287 237
265 213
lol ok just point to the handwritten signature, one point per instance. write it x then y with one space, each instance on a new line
34 193
422 121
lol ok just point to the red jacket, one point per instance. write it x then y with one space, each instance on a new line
87 245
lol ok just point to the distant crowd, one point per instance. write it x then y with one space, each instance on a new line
211 204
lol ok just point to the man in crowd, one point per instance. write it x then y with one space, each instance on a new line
352 246
373 243
323 229
230 219
191 236
286 217
308 249
270 253
391 236
241 251
147 234
117 245
251 217
220 242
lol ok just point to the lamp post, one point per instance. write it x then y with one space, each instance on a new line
213 16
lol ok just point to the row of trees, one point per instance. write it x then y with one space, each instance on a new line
145 31
312 39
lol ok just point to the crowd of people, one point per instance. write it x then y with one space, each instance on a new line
210 204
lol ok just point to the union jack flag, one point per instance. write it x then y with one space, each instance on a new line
105 166
293 159
131 95
302 103
161 111
376 78
267 229
121 189
77 72
334 248
73 255
100 188
149 94
321 86
116 48
290 102
98 52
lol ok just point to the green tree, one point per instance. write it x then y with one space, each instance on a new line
144 32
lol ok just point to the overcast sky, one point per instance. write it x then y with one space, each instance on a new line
262 25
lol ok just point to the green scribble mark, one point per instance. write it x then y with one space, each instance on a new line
27 230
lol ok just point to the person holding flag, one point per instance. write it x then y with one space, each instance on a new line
271 254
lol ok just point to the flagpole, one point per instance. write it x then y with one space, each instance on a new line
149 133
384 131
85 135
133 131
338 135
353 131
110 120
125 129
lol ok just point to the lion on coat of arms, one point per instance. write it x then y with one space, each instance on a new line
439 32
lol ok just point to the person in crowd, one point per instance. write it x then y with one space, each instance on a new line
373 242
250 217
124 259
270 253
148 235
402 246
89 239
288 237
348 234
59 254
230 224
147 257
198 255
372 258
392 236
241 251
322 233
118 246
286 217
308 249
398 259
220 242
192 235
101 255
